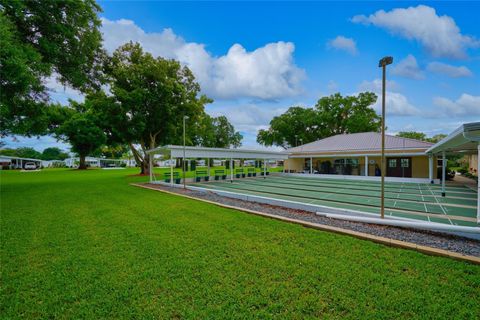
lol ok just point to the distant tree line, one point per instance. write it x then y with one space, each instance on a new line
52 153
332 115
131 97
421 136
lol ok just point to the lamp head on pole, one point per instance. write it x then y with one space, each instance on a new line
385 61
186 117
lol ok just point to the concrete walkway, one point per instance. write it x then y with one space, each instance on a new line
464 181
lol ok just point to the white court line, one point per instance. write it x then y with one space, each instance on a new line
441 207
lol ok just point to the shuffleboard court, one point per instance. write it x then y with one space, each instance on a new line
407 200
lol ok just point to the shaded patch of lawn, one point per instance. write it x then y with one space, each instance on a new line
85 244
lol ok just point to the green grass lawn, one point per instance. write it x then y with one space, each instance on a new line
86 245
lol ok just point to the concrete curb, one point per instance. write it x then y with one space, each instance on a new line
356 234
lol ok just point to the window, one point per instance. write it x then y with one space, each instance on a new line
392 163
352 162
439 162
405 163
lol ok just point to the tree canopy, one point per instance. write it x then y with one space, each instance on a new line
41 38
421 136
54 153
82 131
331 115
149 99
23 152
216 132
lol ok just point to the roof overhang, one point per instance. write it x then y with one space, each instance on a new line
464 139
20 158
217 153
326 153
349 155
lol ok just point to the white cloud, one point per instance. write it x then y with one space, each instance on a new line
439 35
465 105
268 72
332 86
343 43
396 104
376 85
408 68
449 70
60 93
248 118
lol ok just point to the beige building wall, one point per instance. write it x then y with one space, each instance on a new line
294 164
419 165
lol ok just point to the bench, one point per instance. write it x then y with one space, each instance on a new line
199 174
251 172
220 174
239 173
176 177
262 173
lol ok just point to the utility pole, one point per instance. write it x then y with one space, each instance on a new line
383 64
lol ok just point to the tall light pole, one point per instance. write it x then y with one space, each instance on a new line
184 183
383 63
296 138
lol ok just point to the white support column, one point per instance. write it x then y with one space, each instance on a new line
231 170
311 165
444 166
478 184
264 168
150 166
366 166
430 168
172 161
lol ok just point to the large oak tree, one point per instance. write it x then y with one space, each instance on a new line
335 114
41 38
82 130
149 98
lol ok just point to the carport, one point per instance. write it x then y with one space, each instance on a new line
464 140
190 152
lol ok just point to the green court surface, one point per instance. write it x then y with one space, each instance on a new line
407 200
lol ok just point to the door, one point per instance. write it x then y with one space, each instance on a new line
399 167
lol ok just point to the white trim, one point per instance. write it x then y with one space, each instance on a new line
218 153
409 224
369 178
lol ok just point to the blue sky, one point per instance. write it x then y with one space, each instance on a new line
257 59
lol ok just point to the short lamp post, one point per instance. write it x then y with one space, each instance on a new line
383 63
185 118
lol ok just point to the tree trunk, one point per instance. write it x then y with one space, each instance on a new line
83 164
146 165
141 161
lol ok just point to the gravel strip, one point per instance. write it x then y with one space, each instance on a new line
427 238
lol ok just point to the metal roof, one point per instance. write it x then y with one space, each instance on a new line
464 139
218 153
19 158
365 141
